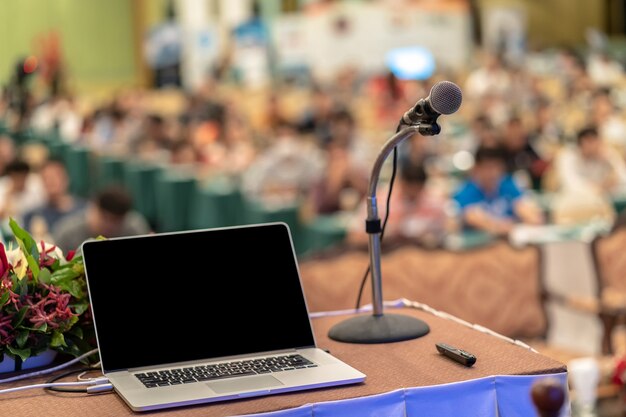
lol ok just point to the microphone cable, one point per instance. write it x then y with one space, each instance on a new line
387 209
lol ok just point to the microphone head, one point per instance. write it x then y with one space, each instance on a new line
445 97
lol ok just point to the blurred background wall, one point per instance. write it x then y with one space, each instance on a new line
95 37
101 41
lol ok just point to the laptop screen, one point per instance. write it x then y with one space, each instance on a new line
195 295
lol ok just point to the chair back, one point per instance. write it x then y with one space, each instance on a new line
610 265
497 286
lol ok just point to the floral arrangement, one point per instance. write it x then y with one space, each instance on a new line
43 299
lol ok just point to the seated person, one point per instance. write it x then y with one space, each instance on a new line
346 171
21 191
284 172
490 200
521 158
591 166
416 213
108 214
59 202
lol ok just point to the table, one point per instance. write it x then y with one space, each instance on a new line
398 374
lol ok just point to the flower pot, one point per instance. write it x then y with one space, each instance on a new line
9 364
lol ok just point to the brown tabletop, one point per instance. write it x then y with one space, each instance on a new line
388 367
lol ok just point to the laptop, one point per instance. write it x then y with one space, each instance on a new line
203 316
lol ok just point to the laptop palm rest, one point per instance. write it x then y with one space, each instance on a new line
245 384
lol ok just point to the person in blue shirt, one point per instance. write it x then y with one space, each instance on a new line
490 200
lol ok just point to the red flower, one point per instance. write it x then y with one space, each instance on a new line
4 263
6 330
618 373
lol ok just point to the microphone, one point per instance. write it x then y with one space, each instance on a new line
445 98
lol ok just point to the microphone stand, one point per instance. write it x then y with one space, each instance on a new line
380 327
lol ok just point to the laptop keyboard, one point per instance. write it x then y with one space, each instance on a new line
212 372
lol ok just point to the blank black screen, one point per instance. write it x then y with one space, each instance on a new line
193 295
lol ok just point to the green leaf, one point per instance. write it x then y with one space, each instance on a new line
24 239
55 265
33 265
80 308
45 277
22 337
75 289
4 298
63 275
77 331
19 317
22 353
41 329
22 287
57 339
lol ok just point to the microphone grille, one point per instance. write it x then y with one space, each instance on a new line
445 97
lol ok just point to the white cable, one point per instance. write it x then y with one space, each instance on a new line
81 376
49 370
95 381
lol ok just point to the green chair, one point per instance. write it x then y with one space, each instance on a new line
174 196
257 212
78 163
325 231
619 203
141 179
109 170
217 204
58 149
22 136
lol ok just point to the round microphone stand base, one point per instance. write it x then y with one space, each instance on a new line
385 328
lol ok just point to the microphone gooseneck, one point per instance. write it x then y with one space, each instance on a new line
445 98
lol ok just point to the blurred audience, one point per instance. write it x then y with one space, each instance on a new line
590 166
7 151
233 152
516 120
345 177
108 214
609 121
522 161
490 200
314 119
21 191
416 213
285 172
489 79
153 142
604 70
59 203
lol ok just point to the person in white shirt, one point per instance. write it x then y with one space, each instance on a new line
591 166
604 70
490 79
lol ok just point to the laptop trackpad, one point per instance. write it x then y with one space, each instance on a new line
244 384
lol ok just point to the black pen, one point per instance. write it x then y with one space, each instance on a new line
457 355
